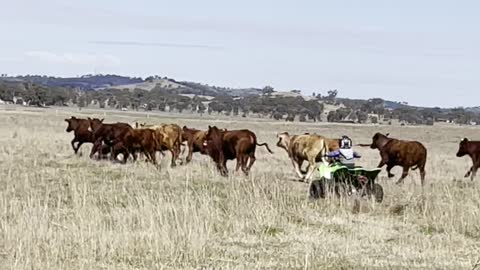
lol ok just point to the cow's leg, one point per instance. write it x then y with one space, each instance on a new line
297 164
174 157
78 146
245 164
311 169
75 149
252 161
383 161
469 172
474 170
116 150
152 156
239 158
389 169
96 146
248 162
222 168
404 174
190 151
422 175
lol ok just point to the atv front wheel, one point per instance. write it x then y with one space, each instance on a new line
378 193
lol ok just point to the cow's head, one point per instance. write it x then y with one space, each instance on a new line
213 138
463 148
379 140
72 123
95 123
283 140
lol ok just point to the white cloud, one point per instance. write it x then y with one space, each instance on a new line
74 58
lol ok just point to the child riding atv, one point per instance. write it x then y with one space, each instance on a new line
345 153
341 174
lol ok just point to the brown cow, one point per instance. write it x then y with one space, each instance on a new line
110 134
223 145
406 154
309 147
472 149
81 131
194 139
141 140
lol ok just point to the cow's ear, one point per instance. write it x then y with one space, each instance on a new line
89 119
388 134
67 120
101 120
73 117
465 140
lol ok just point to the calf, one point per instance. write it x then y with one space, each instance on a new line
394 152
223 145
194 139
472 149
309 147
81 132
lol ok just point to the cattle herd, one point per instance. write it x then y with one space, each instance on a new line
112 139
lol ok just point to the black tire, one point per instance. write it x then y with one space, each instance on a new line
317 189
378 193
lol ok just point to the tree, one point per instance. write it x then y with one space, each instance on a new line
362 117
82 102
332 95
267 90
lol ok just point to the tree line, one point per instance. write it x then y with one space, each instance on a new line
266 104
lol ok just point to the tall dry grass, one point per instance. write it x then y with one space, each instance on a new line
60 211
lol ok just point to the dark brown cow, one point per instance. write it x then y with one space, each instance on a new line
194 139
81 131
110 134
472 149
406 154
83 134
224 145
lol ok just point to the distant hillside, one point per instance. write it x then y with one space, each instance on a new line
86 82
100 82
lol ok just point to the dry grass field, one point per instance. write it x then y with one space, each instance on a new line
61 211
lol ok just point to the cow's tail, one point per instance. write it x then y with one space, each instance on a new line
266 145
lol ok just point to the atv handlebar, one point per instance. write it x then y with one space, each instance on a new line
337 154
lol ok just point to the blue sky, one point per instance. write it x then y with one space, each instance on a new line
423 52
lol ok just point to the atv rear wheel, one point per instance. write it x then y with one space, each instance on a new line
317 189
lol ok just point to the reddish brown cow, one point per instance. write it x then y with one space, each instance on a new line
406 154
224 145
194 139
472 149
110 134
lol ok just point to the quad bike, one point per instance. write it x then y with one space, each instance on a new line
345 179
